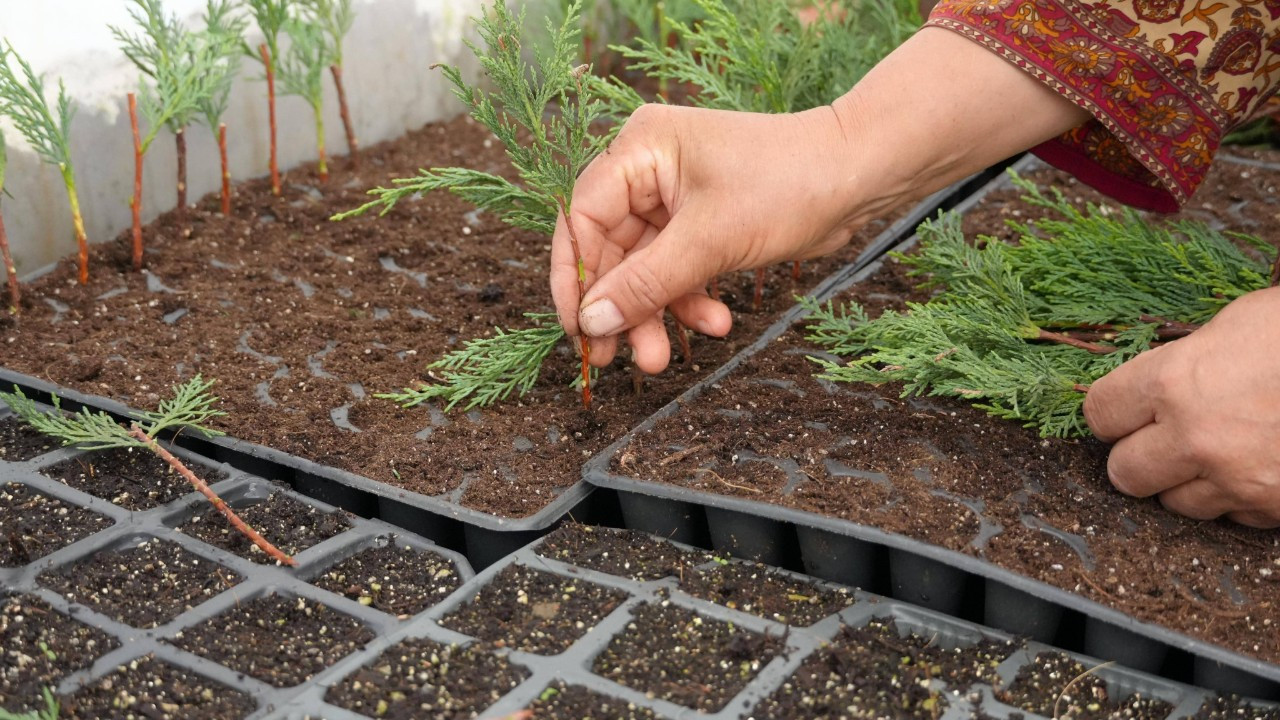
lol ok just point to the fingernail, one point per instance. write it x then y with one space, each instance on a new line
600 319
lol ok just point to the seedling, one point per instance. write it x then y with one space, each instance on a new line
22 100
301 73
190 406
15 294
224 32
335 18
550 102
271 16
50 711
1021 330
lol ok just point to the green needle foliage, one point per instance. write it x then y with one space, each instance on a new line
301 73
271 17
1113 283
50 711
334 18
190 406
223 36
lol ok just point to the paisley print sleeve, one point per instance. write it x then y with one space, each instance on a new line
1164 80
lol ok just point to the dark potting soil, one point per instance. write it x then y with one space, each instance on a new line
150 689
532 610
1056 686
289 524
279 640
420 678
626 553
39 647
129 477
1232 708
19 442
765 593
144 586
771 432
574 702
33 524
675 654
397 579
302 320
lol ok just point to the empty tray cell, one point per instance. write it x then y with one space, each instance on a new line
420 678
19 442
397 579
675 654
1233 708
279 640
146 584
289 524
38 647
155 690
129 477
766 593
574 702
36 524
626 553
533 610
1055 685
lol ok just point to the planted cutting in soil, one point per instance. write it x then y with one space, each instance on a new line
675 654
301 319
534 611
144 586
926 467
626 553
39 647
150 689
574 702
420 678
19 443
290 525
132 479
279 640
396 579
1056 686
33 524
766 593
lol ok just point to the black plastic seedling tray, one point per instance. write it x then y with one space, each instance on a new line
918 572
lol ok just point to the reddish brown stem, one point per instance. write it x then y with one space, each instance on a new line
353 147
135 202
1275 273
757 296
637 379
180 142
1073 342
15 295
795 270
271 115
1080 388
1170 329
682 337
226 169
219 503
584 346
713 288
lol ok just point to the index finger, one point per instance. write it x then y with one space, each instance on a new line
1122 401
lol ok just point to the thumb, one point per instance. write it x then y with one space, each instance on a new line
647 280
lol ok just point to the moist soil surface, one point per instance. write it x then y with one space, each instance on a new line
38 647
289 524
1227 708
766 593
35 524
535 611
925 467
150 689
1056 686
420 678
129 477
626 553
279 640
144 586
19 443
302 320
397 579
574 702
675 654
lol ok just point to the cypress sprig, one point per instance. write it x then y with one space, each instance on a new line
301 73
487 370
50 711
223 38
1021 330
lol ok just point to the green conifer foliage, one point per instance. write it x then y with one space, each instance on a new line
1021 330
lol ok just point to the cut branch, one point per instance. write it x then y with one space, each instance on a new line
135 202
200 485
271 114
682 337
353 147
584 344
1056 337
15 295
226 170
180 143
1170 329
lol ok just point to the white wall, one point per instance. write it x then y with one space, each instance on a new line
390 89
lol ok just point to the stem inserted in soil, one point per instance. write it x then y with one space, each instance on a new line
82 240
584 344
135 202
322 166
200 485
353 147
713 288
226 170
271 114
795 270
180 143
15 294
682 337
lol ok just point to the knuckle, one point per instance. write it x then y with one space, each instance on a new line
644 290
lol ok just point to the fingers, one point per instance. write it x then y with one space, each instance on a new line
1255 518
702 314
1198 499
1121 402
1149 461
650 346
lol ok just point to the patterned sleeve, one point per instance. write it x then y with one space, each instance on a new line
1165 80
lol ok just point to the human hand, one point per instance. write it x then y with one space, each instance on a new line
1197 421
682 195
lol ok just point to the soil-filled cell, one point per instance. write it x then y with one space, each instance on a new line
1233 708
279 640
150 689
38 647
19 442
397 579
129 477
36 524
560 702
1055 685
626 553
767 593
533 610
145 585
419 678
289 524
